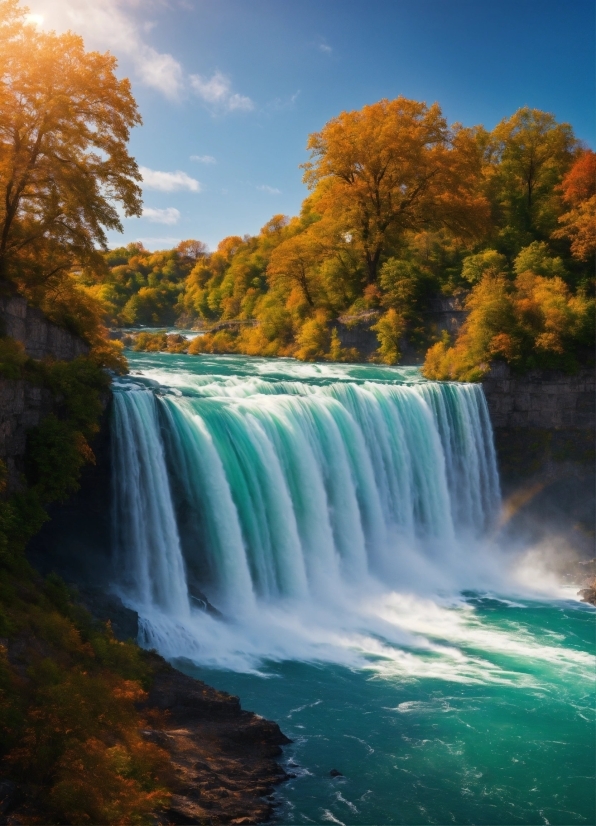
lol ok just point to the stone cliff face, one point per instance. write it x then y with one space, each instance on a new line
40 337
23 405
544 423
444 313
546 399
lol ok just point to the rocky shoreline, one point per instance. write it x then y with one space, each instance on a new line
223 759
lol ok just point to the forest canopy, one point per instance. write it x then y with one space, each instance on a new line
404 210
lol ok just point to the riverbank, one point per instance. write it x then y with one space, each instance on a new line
222 758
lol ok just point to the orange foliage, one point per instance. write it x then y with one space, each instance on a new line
579 184
394 166
579 191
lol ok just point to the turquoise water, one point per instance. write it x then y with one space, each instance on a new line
518 748
344 520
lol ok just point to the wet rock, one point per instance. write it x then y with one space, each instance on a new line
335 773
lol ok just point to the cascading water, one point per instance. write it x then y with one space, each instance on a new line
257 492
341 520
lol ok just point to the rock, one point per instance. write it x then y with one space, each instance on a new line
335 773
588 594
223 758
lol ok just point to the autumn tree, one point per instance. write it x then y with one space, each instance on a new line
528 155
192 250
293 264
65 120
579 194
390 167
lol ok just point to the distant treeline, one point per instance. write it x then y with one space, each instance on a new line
402 208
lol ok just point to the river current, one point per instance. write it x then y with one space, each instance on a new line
344 523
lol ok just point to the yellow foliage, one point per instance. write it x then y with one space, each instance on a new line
533 322
60 102
97 784
579 225
222 341
314 338
390 329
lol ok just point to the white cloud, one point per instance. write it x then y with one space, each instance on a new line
110 24
217 90
203 158
323 46
271 190
122 26
168 216
34 19
168 181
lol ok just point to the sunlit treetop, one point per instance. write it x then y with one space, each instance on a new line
65 121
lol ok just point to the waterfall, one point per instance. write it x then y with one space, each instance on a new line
258 492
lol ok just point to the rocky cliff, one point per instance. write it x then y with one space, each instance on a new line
544 428
545 399
23 405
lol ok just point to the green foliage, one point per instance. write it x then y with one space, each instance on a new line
537 258
488 261
390 329
140 287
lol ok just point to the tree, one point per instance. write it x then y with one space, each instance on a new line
528 155
579 192
534 321
390 167
292 265
65 119
475 266
192 250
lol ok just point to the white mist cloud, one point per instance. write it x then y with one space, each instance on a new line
168 216
203 158
217 90
270 190
168 181
111 24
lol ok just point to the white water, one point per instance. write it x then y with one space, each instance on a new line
327 520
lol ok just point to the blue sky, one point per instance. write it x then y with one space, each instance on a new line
230 89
